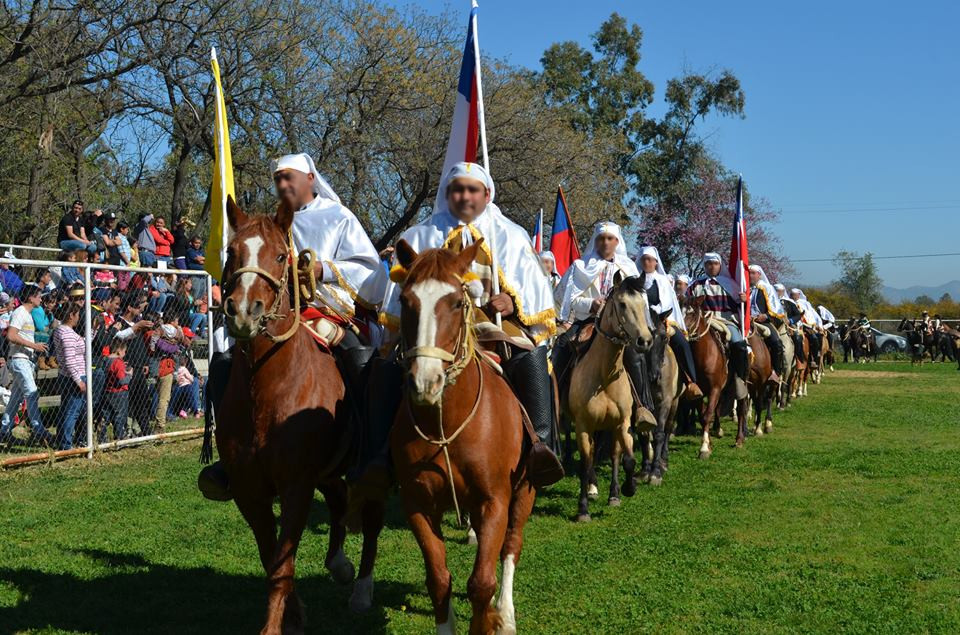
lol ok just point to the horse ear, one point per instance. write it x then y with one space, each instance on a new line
467 256
405 253
643 280
235 216
617 278
666 314
283 217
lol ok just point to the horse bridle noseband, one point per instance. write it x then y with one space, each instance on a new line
619 338
461 354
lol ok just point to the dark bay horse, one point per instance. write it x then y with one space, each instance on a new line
283 426
458 439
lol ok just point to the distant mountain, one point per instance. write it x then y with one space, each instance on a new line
910 293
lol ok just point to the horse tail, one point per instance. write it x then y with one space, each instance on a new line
206 450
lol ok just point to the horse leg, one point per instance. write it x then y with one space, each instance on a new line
768 424
284 610
586 464
372 521
337 563
439 582
482 585
520 507
258 512
742 407
646 458
706 419
614 498
629 460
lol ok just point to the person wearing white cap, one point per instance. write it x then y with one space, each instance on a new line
680 285
350 281
661 297
721 300
767 312
810 319
464 213
549 262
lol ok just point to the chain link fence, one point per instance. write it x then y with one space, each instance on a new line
96 357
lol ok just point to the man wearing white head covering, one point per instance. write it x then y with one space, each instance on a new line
349 276
585 285
680 285
767 312
661 297
722 300
463 214
810 319
549 262
794 319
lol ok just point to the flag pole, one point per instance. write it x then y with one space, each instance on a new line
743 281
494 261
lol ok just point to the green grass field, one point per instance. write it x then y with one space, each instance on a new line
845 519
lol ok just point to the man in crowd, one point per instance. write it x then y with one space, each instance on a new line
21 362
70 233
722 300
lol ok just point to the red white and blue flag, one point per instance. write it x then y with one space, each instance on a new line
739 261
465 130
563 240
538 233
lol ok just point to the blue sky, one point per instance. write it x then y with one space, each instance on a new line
849 106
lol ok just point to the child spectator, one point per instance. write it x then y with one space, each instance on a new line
72 377
71 275
116 392
165 343
43 326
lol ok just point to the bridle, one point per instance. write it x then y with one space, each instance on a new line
280 288
620 338
699 328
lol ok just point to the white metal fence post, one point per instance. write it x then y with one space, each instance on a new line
88 356
209 327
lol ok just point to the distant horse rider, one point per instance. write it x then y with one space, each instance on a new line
768 314
811 322
722 300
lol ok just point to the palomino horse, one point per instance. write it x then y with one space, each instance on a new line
458 439
283 426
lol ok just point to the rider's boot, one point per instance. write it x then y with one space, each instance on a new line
681 350
212 480
740 360
798 347
529 375
776 353
635 364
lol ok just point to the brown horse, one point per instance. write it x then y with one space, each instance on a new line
758 382
458 439
283 426
711 364
801 368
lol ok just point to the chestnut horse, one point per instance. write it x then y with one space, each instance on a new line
283 426
458 439
801 367
761 389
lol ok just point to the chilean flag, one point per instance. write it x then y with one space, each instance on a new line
563 240
739 258
465 130
538 233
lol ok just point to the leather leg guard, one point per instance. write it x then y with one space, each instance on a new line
776 352
798 348
635 364
529 375
741 361
212 480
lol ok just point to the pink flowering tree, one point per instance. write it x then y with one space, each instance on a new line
697 217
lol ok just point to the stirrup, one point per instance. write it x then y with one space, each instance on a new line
543 466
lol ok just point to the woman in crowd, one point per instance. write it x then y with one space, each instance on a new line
186 306
71 380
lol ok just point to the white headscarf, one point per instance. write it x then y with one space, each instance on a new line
825 314
582 274
668 295
303 162
723 278
763 286
810 315
684 278
548 255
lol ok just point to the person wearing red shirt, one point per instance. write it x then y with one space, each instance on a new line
163 238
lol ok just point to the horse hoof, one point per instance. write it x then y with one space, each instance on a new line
592 492
704 454
655 481
471 537
341 569
768 426
362 597
613 501
758 431
629 487
719 433
645 477
583 518
738 444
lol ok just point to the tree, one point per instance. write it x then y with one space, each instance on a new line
859 279
924 300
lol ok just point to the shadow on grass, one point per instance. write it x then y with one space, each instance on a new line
148 597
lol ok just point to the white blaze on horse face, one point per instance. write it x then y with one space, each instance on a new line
254 244
428 371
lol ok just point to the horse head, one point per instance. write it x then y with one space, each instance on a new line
626 315
434 316
257 269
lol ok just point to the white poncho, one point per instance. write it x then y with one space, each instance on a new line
668 295
587 277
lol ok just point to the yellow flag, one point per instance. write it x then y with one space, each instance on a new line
216 254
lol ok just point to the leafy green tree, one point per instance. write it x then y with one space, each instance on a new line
859 279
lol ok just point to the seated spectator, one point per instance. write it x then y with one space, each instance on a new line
71 275
22 352
104 279
195 258
71 235
72 376
162 292
45 281
43 328
163 240
186 306
116 392
9 280
7 305
186 392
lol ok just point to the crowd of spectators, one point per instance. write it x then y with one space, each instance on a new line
142 330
